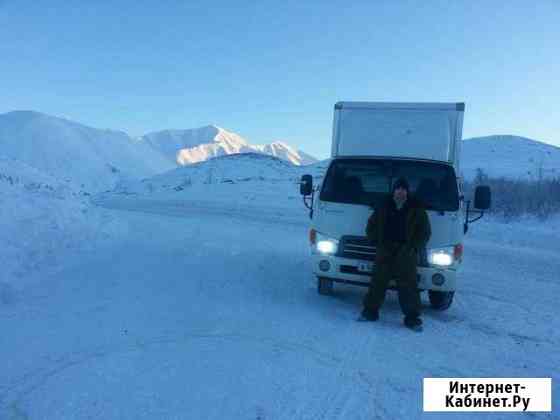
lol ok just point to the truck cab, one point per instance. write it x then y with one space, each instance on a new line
373 145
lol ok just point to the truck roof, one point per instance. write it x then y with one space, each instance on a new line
459 106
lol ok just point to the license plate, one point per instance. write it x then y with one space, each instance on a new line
365 267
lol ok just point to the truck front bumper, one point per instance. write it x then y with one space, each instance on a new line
346 270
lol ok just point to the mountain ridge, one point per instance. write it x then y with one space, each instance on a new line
189 146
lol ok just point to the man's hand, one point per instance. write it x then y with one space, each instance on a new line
407 251
371 228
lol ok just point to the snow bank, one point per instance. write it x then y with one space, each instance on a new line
43 221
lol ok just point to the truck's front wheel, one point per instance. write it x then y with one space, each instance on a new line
440 300
324 286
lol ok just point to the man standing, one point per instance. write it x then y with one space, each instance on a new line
399 228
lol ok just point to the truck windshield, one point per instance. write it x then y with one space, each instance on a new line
369 181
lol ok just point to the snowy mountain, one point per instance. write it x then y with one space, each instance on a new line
99 160
510 157
96 159
185 147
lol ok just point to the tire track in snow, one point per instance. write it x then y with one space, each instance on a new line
189 208
12 394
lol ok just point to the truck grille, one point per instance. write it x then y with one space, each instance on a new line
357 247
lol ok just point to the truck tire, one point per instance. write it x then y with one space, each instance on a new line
440 300
324 286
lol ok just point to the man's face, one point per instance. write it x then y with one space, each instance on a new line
400 194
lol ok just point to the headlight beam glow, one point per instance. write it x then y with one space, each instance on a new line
326 247
442 257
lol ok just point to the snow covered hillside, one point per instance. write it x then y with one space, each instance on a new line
185 147
42 220
94 159
247 185
284 151
510 157
252 170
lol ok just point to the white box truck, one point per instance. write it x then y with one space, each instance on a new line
373 145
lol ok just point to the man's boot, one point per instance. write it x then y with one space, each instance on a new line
369 315
413 322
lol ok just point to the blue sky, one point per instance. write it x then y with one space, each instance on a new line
271 70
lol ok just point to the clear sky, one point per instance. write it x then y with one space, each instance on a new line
272 70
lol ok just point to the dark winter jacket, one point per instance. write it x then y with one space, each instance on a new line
395 226
417 231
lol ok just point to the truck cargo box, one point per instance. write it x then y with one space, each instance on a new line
430 131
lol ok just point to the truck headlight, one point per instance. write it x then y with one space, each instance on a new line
326 245
441 257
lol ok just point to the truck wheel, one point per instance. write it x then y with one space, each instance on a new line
324 286
440 300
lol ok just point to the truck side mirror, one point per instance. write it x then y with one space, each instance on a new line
306 185
482 197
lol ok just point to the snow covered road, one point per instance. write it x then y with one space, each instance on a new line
212 313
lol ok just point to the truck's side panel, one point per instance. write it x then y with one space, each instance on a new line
458 142
336 126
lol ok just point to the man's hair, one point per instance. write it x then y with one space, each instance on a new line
401 183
